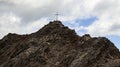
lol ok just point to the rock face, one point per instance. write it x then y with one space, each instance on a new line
55 45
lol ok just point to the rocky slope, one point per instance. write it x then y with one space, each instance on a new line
55 45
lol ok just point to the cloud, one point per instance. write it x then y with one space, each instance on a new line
10 23
108 22
33 9
35 25
27 16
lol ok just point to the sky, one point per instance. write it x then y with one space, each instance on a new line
99 18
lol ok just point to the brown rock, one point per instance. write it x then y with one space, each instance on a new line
55 45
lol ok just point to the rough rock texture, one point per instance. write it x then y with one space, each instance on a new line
55 45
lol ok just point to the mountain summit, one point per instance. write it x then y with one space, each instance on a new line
55 45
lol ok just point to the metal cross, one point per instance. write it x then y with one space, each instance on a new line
56 18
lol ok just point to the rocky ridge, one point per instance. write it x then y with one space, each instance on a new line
55 45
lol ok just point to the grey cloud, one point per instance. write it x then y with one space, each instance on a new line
30 11
30 14
115 27
27 13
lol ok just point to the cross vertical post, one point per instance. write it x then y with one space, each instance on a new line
56 18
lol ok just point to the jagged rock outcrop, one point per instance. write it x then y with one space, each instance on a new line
55 45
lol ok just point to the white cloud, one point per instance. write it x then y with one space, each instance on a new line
108 22
10 23
29 15
34 9
35 25
30 3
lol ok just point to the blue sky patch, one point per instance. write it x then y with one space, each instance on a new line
115 40
86 21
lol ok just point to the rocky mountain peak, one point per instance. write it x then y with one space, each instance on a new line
55 45
54 24
55 27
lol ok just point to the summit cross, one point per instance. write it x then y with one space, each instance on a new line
56 16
